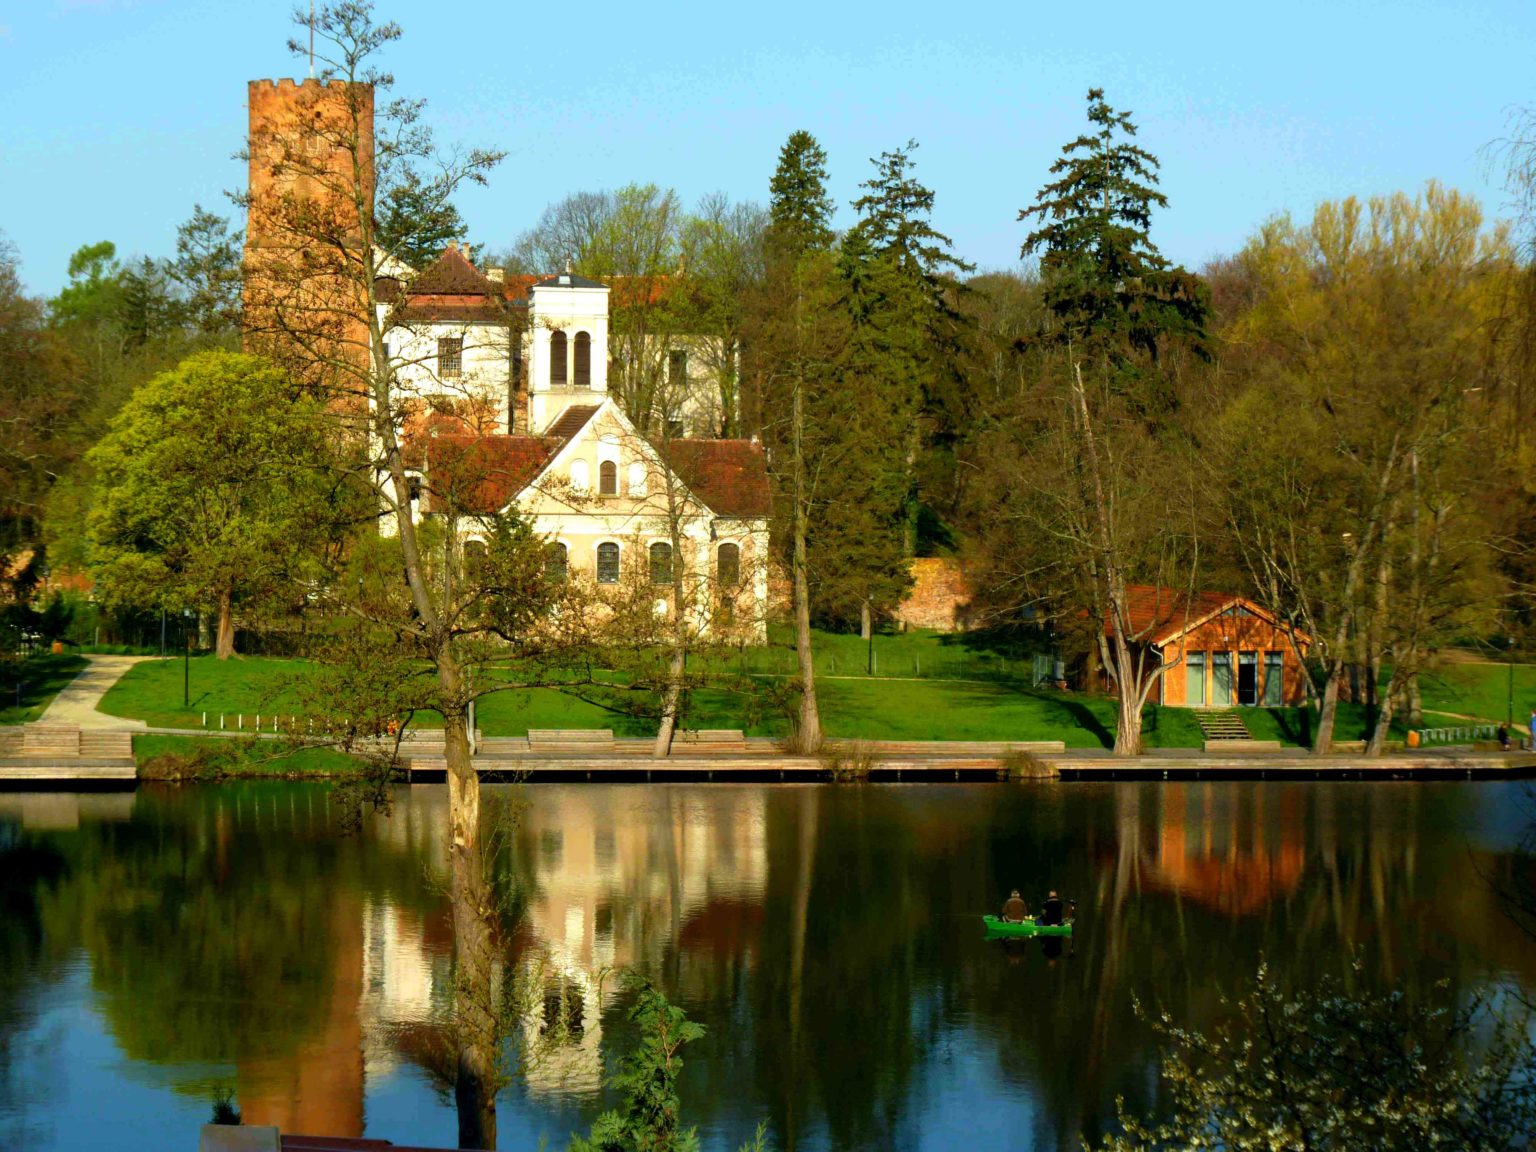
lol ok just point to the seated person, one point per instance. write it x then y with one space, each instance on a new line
1050 912
1014 908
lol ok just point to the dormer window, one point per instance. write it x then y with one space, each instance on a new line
450 357
557 359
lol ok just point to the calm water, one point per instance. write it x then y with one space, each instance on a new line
155 946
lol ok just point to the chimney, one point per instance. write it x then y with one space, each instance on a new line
496 275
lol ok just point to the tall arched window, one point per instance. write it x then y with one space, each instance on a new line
556 562
557 359
728 566
580 475
607 563
583 360
607 478
661 563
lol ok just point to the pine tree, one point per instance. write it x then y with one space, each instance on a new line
416 221
799 209
1104 278
906 331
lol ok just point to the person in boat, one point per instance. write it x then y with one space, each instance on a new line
1051 910
1014 909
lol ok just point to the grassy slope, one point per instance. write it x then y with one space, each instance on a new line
247 757
986 706
41 679
1480 690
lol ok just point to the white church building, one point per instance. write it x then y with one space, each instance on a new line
508 381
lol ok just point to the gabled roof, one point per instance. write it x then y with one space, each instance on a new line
451 274
568 280
1159 615
572 421
482 474
730 476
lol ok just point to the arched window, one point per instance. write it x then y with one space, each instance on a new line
661 563
607 563
557 359
583 360
580 475
728 566
607 478
556 562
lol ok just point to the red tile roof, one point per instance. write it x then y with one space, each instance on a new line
451 274
731 476
482 474
1159 614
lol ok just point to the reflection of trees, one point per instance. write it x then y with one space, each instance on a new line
223 926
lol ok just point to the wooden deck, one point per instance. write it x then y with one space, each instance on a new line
35 754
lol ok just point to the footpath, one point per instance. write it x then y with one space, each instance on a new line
74 745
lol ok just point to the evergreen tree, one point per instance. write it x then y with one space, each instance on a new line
1104 278
906 331
207 272
417 221
799 209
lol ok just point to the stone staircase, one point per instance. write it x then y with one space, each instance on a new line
62 752
1221 724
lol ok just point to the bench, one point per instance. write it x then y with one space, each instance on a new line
570 739
708 740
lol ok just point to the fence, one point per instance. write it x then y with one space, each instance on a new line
1462 734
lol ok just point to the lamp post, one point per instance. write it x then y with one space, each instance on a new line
1509 715
186 661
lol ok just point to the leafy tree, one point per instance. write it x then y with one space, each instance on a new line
40 394
93 294
649 1120
1329 1068
207 488
416 222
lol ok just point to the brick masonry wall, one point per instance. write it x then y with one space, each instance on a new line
939 598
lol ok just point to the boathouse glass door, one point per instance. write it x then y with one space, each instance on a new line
1248 679
1274 679
1221 679
1194 680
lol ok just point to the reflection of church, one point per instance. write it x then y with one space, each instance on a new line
619 885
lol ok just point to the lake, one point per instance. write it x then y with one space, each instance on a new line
159 946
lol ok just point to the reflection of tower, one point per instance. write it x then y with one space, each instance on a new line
310 150
319 1088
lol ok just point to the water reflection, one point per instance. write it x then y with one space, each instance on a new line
827 937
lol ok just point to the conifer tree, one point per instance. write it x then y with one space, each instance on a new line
906 331
795 335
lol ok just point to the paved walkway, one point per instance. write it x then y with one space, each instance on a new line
76 703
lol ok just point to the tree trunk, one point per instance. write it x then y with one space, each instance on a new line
475 1025
1327 711
1378 741
808 732
669 702
226 645
1413 700
1128 694
866 623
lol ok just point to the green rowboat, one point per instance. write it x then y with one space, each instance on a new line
998 928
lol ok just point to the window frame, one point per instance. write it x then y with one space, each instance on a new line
582 361
663 558
607 477
558 359
450 357
609 557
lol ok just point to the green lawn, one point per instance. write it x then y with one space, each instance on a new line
992 705
38 679
1480 690
222 756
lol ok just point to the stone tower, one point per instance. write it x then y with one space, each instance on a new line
310 152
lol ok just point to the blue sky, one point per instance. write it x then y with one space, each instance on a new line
120 114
